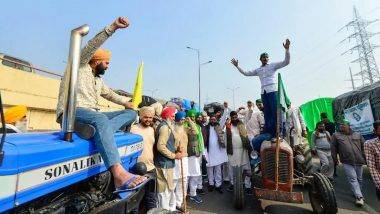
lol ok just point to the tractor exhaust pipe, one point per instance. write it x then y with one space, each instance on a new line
72 75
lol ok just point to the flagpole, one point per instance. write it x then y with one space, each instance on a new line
277 155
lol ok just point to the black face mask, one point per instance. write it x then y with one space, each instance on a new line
100 70
320 130
235 122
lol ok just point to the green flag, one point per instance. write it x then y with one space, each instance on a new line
283 100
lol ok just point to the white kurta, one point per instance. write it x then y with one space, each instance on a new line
177 168
240 155
215 155
255 124
194 166
295 123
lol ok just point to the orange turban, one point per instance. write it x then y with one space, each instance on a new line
101 55
15 114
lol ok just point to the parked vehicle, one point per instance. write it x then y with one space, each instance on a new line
58 172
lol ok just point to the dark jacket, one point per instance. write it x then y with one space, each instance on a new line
160 160
349 147
243 135
219 132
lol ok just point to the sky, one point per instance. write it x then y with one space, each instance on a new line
39 31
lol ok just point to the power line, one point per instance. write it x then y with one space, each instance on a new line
368 67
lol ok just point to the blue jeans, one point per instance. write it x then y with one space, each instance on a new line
270 112
354 176
106 124
258 140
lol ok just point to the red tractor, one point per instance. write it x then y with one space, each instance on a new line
278 168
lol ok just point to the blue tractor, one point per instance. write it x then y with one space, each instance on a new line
58 172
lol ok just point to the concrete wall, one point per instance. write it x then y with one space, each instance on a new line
39 93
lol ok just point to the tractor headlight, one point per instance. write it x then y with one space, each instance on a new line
254 155
300 159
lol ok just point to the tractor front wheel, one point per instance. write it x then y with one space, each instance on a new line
238 187
322 195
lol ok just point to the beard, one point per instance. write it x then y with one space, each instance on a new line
22 126
100 70
213 123
146 124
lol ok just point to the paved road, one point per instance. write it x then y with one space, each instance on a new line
223 203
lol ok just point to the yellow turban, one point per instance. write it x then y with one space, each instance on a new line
101 55
147 111
15 114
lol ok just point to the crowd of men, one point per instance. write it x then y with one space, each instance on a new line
177 143
351 150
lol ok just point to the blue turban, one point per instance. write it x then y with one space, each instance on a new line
180 115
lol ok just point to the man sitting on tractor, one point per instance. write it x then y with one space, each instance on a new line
15 119
93 64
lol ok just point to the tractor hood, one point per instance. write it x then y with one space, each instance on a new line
25 152
36 164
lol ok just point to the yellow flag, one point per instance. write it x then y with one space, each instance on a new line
137 93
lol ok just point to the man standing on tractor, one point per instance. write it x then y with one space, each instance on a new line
166 153
238 148
268 79
349 146
90 88
145 129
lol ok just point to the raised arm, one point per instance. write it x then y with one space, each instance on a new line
235 62
278 65
93 44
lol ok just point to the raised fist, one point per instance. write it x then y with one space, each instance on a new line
286 44
121 22
235 62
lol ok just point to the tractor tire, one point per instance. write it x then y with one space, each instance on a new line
322 195
306 167
238 187
257 181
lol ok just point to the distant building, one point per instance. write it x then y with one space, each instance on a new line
22 84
